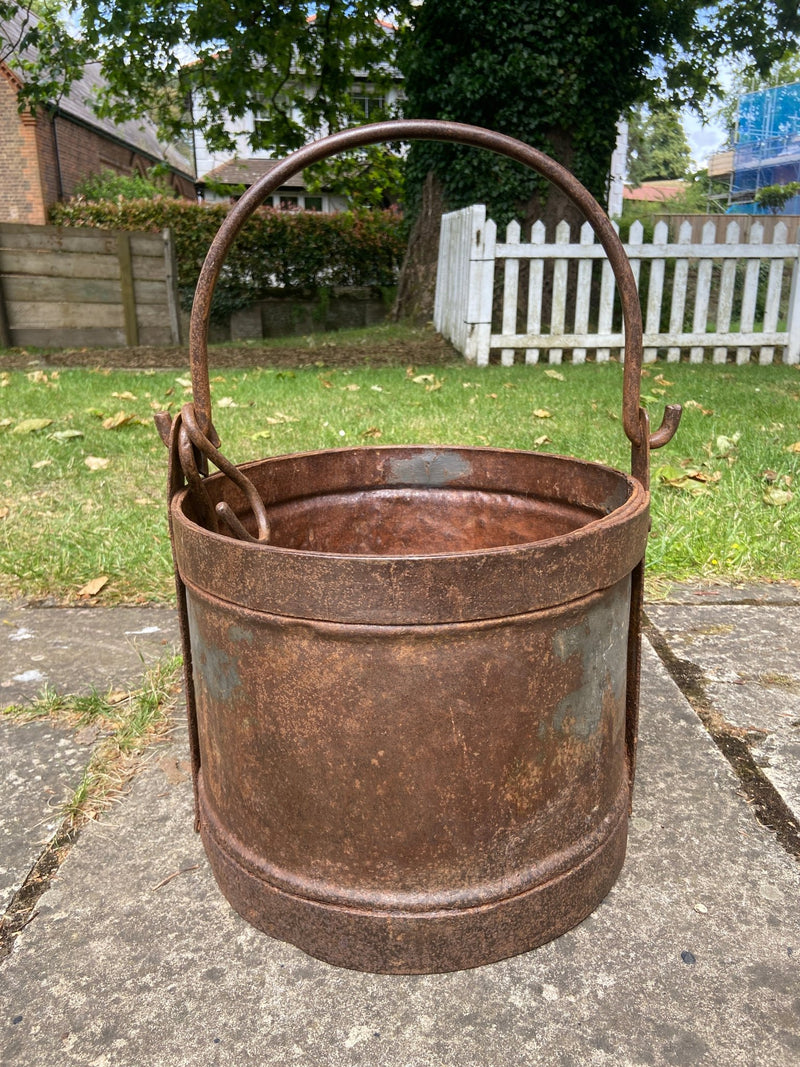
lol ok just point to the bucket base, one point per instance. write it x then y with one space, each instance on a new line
422 942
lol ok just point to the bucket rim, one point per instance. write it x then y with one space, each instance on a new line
638 499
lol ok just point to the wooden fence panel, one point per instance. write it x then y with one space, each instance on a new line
64 286
732 300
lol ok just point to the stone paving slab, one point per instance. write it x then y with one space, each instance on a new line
750 661
72 650
692 959
744 593
40 767
77 649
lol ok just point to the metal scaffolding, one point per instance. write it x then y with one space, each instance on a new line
767 149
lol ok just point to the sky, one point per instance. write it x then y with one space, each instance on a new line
704 139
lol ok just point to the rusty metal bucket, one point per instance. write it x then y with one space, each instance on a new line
412 672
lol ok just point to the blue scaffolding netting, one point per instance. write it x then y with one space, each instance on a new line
767 150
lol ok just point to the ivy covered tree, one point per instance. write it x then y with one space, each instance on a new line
557 74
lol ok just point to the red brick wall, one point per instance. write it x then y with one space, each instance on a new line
83 152
30 182
21 197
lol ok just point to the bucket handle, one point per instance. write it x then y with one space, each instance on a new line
196 418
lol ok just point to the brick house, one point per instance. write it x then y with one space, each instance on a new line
44 156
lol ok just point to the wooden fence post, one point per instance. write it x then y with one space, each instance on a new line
679 283
748 313
791 353
535 288
171 282
726 290
773 300
583 293
510 292
5 331
480 288
702 293
127 291
655 290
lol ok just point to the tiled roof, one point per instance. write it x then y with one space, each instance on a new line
248 171
655 191
77 104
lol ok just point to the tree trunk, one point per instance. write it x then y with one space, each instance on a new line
416 288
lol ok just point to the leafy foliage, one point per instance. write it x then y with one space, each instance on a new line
294 249
295 64
775 197
559 75
657 145
108 185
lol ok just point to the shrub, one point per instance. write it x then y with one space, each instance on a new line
276 249
108 185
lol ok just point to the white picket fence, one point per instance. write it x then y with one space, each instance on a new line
728 300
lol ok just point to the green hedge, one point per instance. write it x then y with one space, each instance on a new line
285 249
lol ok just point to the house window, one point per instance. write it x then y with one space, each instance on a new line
285 203
367 104
313 203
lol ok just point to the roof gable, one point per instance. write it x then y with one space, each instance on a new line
77 102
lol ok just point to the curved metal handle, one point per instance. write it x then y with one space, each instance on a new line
634 418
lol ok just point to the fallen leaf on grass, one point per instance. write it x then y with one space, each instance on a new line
226 402
698 407
96 463
372 431
430 381
42 463
794 447
543 440
353 387
261 435
38 377
125 396
555 374
278 418
662 380
542 413
776 497
4 512
93 587
692 479
31 425
64 435
114 422
727 444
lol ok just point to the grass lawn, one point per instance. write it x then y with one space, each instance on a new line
82 491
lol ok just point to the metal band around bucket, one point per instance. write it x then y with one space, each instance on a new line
634 418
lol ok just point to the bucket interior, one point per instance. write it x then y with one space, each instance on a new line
412 501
